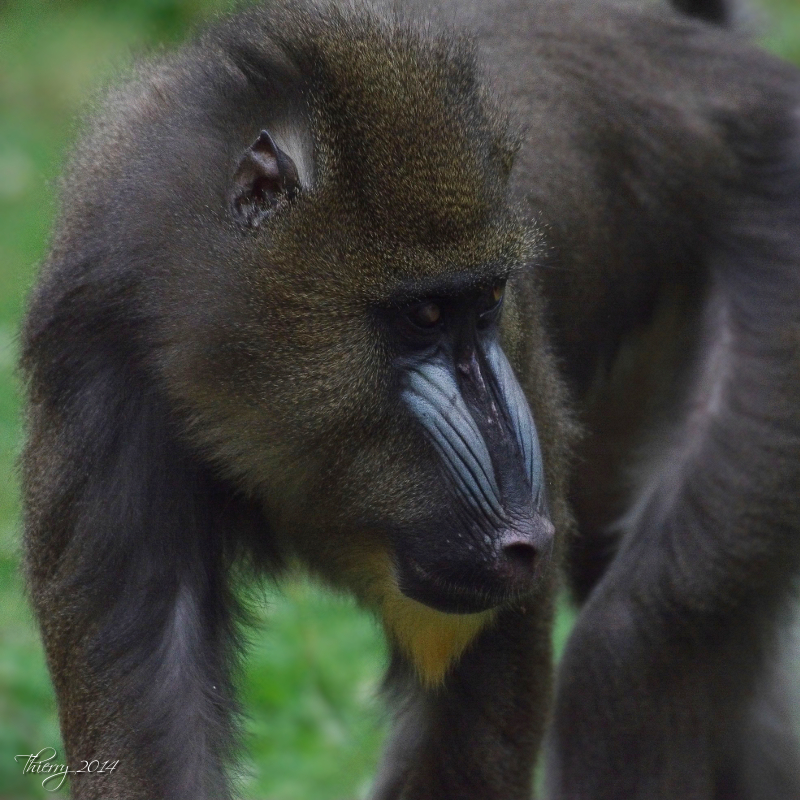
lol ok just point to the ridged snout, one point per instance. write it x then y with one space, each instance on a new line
477 419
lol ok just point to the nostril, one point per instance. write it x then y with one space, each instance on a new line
521 556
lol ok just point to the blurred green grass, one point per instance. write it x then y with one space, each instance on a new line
314 667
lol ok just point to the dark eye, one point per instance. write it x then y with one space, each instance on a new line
490 303
425 315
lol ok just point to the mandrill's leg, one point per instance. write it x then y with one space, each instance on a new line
662 676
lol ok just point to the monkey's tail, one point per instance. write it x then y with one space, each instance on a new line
720 12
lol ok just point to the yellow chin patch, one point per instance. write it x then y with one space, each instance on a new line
432 640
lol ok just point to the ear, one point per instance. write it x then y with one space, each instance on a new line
264 177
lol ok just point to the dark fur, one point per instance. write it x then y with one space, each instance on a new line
199 400
718 11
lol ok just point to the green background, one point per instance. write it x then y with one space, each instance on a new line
315 663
